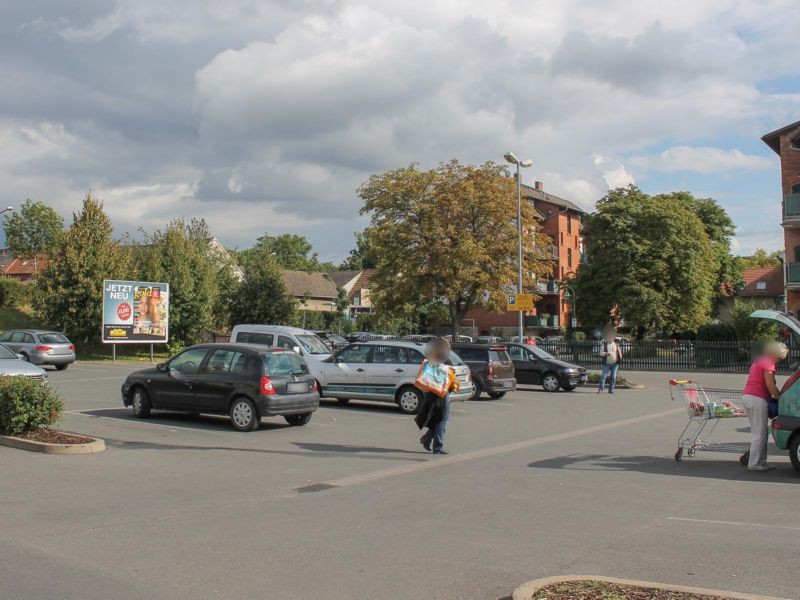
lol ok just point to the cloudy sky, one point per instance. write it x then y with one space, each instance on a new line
265 116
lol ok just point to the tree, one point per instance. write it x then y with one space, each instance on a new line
649 261
447 235
293 252
262 296
33 230
748 328
72 284
180 255
760 259
359 257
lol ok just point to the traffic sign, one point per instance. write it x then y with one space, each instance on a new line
520 302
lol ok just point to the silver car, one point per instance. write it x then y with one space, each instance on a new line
12 364
41 347
382 370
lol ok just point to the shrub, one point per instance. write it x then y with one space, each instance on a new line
716 332
579 336
27 403
14 292
175 346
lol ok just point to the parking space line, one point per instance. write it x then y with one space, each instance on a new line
733 523
451 459
85 380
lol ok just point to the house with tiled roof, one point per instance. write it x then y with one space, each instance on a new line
356 285
313 291
763 283
25 269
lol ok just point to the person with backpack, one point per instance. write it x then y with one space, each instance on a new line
611 357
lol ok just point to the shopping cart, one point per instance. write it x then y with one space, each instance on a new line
705 407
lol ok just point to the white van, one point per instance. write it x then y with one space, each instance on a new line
306 343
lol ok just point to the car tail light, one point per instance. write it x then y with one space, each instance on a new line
777 425
314 386
490 374
43 348
267 389
72 347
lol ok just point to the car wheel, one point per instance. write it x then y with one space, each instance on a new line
298 420
409 400
244 416
794 451
140 402
476 395
343 401
550 382
496 395
62 367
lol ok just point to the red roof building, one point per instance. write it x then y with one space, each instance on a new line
25 269
762 282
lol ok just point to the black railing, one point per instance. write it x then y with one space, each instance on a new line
677 357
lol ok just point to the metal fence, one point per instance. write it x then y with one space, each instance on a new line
677 357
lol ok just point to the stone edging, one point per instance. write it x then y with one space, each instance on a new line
97 445
526 590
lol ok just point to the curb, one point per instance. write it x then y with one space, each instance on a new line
526 590
97 445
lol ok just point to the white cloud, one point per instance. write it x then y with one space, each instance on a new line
703 159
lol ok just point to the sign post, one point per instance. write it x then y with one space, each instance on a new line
135 312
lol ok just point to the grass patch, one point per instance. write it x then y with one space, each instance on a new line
18 317
600 590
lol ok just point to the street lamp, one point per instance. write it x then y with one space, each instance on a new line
509 156
6 210
574 301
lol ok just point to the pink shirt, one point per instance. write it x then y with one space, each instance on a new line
755 385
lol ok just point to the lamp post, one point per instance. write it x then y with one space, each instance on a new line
5 210
511 158
574 302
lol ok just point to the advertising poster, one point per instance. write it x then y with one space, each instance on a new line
135 312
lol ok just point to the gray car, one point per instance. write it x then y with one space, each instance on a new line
12 364
41 347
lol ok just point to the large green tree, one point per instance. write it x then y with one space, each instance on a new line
262 296
360 257
650 261
180 255
760 259
447 235
293 252
33 230
72 285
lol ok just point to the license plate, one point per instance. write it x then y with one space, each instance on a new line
297 388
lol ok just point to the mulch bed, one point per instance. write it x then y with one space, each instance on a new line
600 590
53 436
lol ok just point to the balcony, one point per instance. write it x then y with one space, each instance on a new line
793 275
548 252
546 287
791 210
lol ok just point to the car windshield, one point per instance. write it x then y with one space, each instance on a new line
6 354
313 344
539 353
337 339
284 363
455 359
53 338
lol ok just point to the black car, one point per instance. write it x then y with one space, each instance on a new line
536 366
245 381
491 368
336 342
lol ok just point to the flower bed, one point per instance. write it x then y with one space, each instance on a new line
601 590
47 435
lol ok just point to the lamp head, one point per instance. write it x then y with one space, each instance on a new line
509 156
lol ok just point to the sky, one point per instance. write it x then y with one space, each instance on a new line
266 116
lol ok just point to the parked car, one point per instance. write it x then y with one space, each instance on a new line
554 344
366 336
13 364
536 366
461 338
41 347
381 370
491 369
537 340
245 381
419 337
491 340
333 340
305 343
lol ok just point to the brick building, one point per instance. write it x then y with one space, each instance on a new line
785 142
560 219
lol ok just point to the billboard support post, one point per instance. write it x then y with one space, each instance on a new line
151 353
113 353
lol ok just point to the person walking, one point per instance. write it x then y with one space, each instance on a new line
611 356
434 412
759 389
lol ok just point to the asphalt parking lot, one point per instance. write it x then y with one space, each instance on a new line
350 506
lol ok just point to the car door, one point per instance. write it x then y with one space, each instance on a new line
215 382
346 373
386 370
526 366
176 390
15 340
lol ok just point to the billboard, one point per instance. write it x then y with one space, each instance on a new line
135 312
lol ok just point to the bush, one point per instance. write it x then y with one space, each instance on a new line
175 346
27 403
579 336
14 292
716 332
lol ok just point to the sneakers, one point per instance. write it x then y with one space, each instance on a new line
441 452
760 468
425 444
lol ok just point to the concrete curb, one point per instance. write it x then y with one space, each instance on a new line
526 590
97 445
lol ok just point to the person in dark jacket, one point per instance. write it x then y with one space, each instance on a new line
434 412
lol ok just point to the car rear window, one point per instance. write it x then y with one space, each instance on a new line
280 364
53 338
500 356
473 354
254 337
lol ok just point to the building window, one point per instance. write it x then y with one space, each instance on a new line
569 224
561 237
761 285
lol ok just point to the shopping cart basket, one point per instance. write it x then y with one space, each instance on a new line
705 407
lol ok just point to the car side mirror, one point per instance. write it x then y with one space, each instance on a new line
532 358
21 356
161 367
296 350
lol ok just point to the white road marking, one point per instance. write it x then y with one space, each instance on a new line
733 523
90 370
85 411
118 377
450 459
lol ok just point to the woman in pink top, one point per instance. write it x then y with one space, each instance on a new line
758 391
